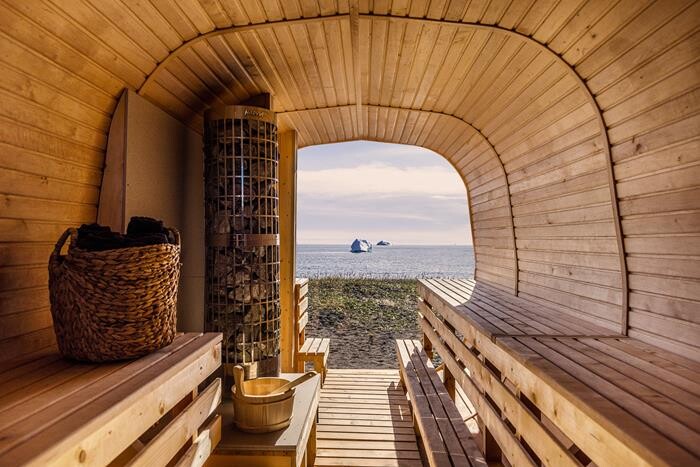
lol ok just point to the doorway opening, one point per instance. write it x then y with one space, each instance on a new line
410 205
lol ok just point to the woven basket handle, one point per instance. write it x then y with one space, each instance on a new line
62 240
176 234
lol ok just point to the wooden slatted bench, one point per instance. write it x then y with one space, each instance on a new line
316 349
554 390
446 438
146 412
497 313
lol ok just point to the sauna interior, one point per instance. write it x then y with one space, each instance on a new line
574 124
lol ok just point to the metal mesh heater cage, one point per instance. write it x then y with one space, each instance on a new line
242 230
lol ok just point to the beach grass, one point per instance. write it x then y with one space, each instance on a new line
362 317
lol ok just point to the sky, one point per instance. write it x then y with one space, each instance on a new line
379 191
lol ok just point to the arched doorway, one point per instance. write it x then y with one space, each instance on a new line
406 195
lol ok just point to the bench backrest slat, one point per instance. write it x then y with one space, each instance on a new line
456 432
435 449
445 436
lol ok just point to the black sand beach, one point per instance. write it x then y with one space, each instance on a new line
362 317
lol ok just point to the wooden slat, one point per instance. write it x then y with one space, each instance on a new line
536 78
302 305
436 451
324 346
531 429
31 399
618 425
437 409
617 387
209 436
161 449
302 322
307 345
123 403
301 288
643 402
357 428
505 439
499 313
446 438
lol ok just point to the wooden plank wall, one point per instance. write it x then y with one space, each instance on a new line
55 109
428 66
647 88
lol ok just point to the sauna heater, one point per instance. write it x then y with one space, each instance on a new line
242 236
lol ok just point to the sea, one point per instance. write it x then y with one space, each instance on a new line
394 261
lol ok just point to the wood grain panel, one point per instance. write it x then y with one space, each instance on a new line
510 107
646 91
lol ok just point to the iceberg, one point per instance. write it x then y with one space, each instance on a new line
360 246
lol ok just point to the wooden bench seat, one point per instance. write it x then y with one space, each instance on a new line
549 388
141 412
313 350
497 313
446 438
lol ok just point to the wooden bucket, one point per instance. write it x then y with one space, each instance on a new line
255 413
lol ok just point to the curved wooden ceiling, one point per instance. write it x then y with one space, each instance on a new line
347 75
573 122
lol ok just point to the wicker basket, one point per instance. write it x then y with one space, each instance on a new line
115 304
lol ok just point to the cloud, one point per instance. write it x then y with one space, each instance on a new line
449 197
454 236
381 179
349 212
400 193
407 219
356 153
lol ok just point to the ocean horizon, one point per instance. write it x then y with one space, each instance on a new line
397 261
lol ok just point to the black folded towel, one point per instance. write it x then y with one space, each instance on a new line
142 231
94 229
144 225
95 237
147 226
146 239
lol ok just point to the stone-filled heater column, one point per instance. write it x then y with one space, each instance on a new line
242 236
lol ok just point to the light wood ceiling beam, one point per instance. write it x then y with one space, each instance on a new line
355 42
230 30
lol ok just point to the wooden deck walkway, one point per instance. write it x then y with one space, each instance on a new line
365 419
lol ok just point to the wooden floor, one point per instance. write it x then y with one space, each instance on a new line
365 420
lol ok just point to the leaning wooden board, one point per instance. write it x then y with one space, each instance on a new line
57 412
